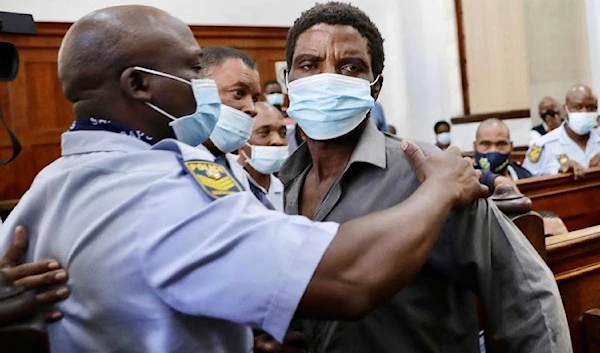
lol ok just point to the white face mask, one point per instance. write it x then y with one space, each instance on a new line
233 129
327 106
267 159
444 138
582 122
275 98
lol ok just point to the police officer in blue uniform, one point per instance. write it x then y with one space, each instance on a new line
575 145
166 252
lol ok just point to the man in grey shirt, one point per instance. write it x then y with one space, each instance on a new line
347 169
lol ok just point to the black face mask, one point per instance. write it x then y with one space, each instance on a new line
549 113
494 161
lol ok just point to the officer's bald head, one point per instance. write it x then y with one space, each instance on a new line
97 60
497 125
581 98
99 46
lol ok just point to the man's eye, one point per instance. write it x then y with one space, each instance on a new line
239 93
350 68
307 67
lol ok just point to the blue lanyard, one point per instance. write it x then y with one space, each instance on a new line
108 125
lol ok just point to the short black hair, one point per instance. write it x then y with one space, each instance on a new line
440 123
215 56
338 13
270 82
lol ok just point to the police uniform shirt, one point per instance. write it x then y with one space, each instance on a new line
479 252
275 192
547 154
158 259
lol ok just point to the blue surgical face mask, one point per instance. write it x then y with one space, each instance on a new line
275 98
267 159
327 106
195 128
582 122
495 162
233 129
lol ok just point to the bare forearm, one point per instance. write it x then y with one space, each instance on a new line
373 257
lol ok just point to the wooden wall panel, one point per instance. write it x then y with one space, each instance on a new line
34 107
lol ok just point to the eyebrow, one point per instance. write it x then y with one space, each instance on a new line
354 60
307 57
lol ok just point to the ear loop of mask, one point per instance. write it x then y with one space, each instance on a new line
158 73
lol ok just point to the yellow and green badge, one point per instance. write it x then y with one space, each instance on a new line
214 179
534 153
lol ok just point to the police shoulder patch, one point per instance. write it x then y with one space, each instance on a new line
534 153
214 179
562 158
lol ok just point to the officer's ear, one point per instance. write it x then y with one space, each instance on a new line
376 88
136 85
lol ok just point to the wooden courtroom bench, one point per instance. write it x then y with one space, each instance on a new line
574 201
574 258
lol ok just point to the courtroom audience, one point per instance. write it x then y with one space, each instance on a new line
549 112
274 94
493 148
575 145
442 134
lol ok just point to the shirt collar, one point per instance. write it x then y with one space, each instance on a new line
564 138
369 149
79 142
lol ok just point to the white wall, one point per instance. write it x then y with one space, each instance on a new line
422 74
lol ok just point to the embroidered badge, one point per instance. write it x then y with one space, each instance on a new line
214 179
534 153
484 163
562 158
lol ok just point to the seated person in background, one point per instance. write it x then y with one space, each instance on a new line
273 94
263 155
550 114
553 225
378 117
442 134
392 129
575 145
493 148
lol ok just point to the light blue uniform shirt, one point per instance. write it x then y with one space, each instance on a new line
553 145
154 264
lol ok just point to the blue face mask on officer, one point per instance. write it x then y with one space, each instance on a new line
495 162
328 105
195 128
233 129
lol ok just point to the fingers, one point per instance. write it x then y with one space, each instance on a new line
484 191
413 153
53 316
31 269
17 248
43 280
53 296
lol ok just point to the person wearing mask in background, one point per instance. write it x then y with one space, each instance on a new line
347 168
442 134
575 145
378 117
274 94
263 155
550 114
493 148
237 79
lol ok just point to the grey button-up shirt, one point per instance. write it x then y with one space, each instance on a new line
480 252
